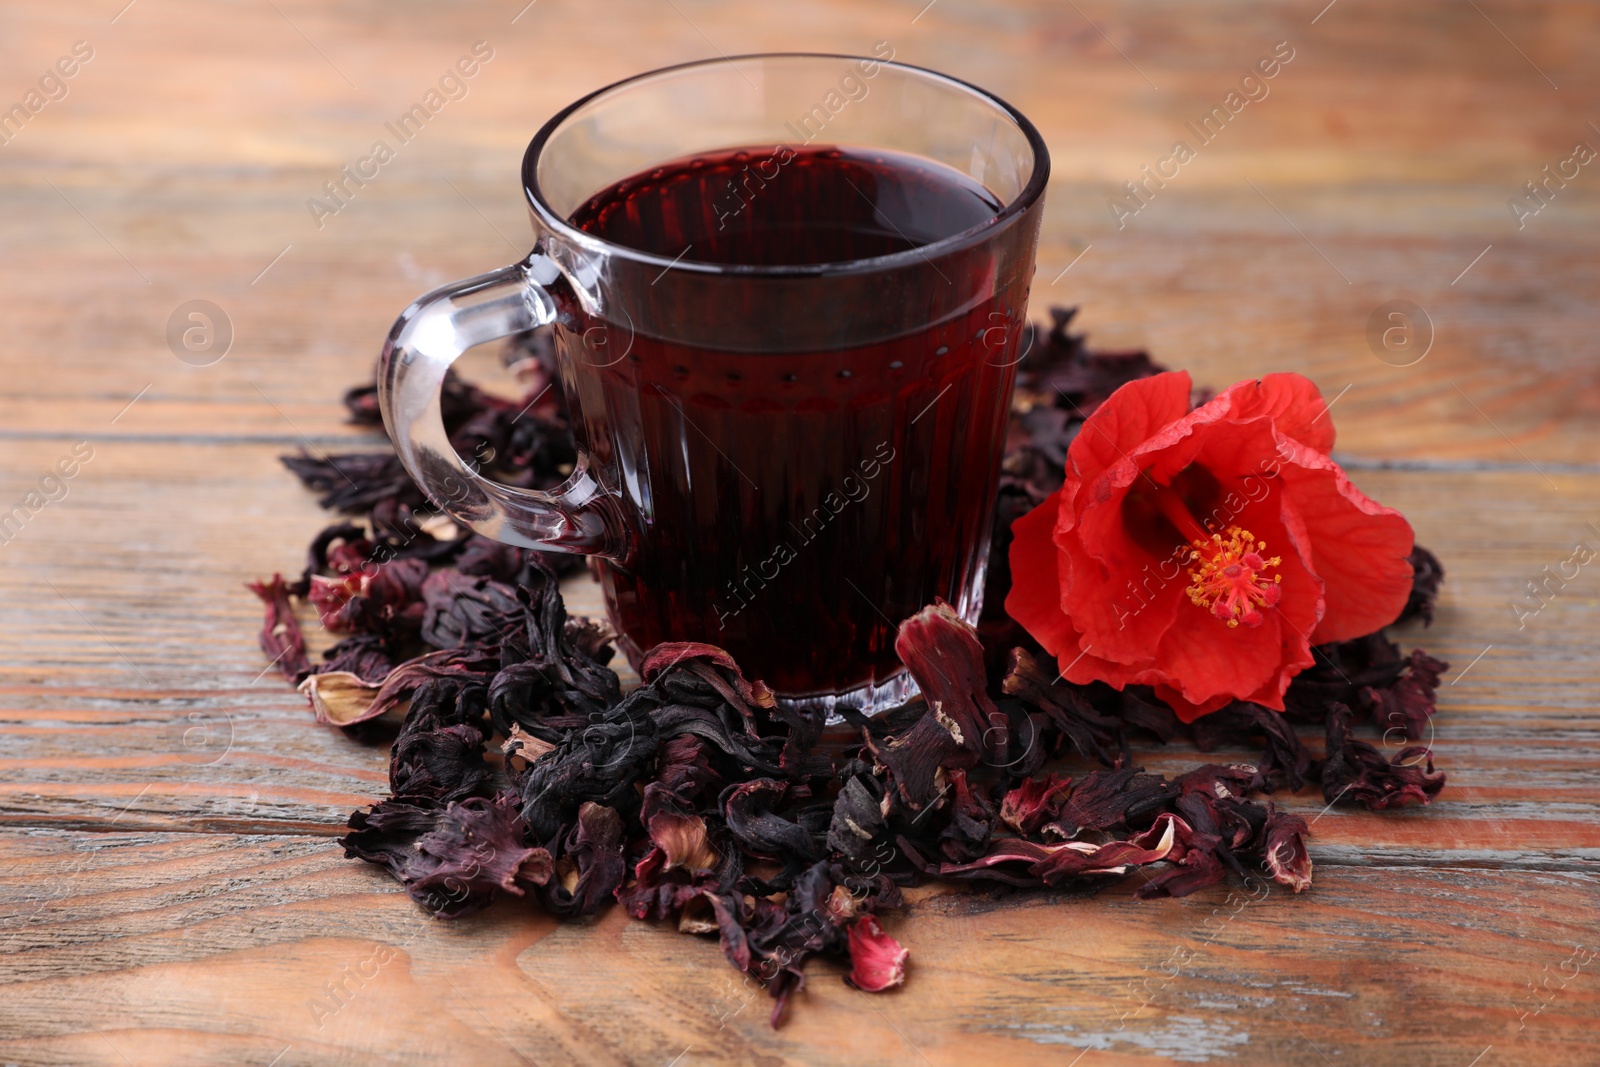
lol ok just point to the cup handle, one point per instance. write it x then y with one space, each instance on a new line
426 339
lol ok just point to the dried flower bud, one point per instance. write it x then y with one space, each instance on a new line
877 961
1285 852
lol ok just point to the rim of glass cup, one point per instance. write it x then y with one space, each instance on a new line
972 235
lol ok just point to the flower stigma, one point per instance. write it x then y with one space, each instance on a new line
1228 579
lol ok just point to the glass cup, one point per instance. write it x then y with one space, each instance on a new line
784 461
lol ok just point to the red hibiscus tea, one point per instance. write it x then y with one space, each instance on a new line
798 505
788 365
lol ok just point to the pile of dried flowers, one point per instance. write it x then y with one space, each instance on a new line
522 768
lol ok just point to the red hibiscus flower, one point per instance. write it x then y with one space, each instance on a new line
1204 552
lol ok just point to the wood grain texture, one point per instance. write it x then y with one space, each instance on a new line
169 890
233 943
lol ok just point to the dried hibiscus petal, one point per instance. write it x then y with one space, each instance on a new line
680 864
742 694
280 633
877 961
771 939
545 673
357 482
339 698
1138 707
858 825
467 665
1406 706
599 761
462 609
1055 864
1284 761
366 656
1428 575
1341 669
684 775
1357 773
439 752
970 821
1112 800
340 548
1198 869
376 599
591 865
915 759
330 596
1284 852
760 832
453 860
1225 824
1077 859
1091 733
943 654
1035 802
683 842
486 557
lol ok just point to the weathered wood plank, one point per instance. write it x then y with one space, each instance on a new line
195 948
1510 373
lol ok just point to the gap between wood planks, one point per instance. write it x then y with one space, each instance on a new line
1579 861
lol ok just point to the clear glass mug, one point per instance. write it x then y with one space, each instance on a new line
784 461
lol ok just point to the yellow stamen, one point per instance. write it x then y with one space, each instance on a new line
1227 580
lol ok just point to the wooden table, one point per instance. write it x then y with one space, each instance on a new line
169 888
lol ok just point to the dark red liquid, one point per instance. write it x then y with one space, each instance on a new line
782 206
796 507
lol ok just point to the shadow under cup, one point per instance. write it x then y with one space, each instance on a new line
783 460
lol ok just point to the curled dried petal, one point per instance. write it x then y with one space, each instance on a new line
748 808
468 665
1284 760
1405 708
1428 575
338 697
453 860
1035 802
877 961
915 760
1091 733
672 654
1113 800
1285 852
280 633
943 654
1357 773
591 866
439 752
683 842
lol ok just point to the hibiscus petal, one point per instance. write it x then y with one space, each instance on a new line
1113 587
1036 602
1293 403
1186 710
1133 414
1360 549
